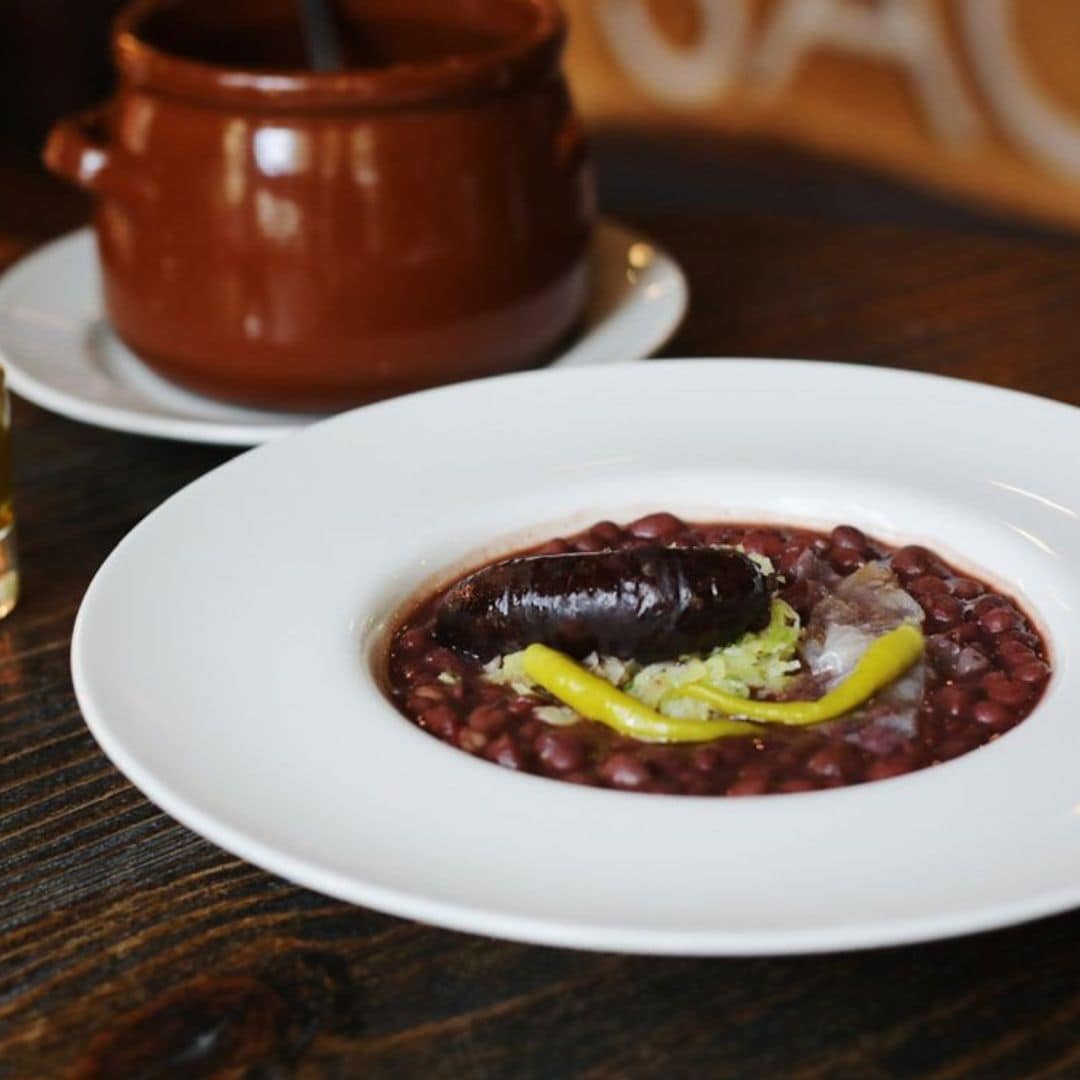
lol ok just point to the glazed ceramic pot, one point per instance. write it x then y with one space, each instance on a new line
282 237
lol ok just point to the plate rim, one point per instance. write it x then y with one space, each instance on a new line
588 937
530 930
242 434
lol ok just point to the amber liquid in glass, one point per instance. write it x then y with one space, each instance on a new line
9 566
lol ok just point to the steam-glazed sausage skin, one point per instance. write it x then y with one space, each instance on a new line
650 603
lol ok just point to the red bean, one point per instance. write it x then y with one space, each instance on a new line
414 670
530 729
607 532
912 561
788 557
954 746
834 761
999 687
442 721
522 706
686 540
942 653
1013 655
560 750
1033 674
624 770
785 761
966 589
850 538
706 759
953 700
926 585
751 781
668 759
989 602
416 705
504 751
765 542
413 640
733 753
719 535
589 543
993 715
432 693
885 768
694 784
440 660
488 719
558 546
965 633
656 527
803 595
471 741
943 611
997 620
845 560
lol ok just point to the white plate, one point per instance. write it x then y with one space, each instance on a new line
222 657
61 354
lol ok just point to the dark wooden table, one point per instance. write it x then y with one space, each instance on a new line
129 947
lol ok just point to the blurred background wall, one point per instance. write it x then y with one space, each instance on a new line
53 59
980 98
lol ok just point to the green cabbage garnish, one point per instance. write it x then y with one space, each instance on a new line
764 662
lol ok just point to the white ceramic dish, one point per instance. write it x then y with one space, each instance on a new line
222 657
60 353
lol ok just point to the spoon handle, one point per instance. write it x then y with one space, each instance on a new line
321 33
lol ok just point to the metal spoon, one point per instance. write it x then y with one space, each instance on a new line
321 34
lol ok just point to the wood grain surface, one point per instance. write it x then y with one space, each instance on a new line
129 947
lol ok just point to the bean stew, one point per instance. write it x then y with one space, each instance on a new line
982 670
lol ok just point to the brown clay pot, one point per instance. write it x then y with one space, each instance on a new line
283 237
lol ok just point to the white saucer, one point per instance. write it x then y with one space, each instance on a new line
225 657
61 354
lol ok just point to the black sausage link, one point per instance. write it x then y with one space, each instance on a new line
650 603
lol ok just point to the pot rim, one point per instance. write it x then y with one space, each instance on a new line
532 54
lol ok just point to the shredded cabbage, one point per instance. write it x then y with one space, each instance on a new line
763 661
509 671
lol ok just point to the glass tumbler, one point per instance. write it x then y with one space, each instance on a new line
9 565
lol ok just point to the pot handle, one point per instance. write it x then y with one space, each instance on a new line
77 149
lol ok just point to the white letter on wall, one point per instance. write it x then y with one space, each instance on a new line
1035 123
906 32
678 76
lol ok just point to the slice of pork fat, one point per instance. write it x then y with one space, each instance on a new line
841 627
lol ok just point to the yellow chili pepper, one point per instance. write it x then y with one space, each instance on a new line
887 658
596 699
